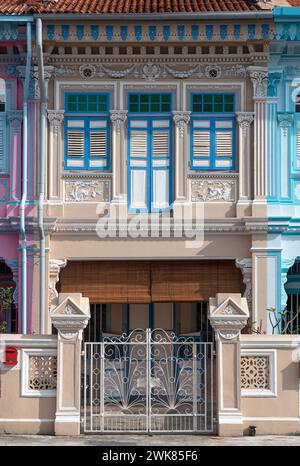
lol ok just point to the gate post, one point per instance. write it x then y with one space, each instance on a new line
228 314
70 317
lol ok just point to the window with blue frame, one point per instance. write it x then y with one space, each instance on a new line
149 151
87 131
3 157
213 132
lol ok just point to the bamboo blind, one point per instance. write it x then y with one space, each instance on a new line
146 281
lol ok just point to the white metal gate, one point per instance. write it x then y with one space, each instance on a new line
148 381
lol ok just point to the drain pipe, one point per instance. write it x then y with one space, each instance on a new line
24 182
42 166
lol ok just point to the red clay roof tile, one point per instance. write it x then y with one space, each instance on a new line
19 7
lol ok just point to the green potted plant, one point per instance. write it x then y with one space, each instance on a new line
6 299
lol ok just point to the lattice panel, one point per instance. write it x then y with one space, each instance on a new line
255 372
42 372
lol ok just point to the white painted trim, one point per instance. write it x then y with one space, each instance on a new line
263 418
230 418
27 342
17 420
265 344
73 83
261 393
25 391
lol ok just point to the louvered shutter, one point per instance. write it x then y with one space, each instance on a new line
223 144
160 152
98 143
75 143
3 161
201 144
138 188
298 145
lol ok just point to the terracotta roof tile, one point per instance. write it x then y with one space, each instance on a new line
19 7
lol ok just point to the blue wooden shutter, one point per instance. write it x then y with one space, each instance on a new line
161 163
201 144
75 143
98 143
138 182
224 139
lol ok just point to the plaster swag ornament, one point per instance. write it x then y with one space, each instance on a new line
150 71
118 118
181 120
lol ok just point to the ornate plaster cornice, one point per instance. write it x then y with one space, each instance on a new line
259 78
15 118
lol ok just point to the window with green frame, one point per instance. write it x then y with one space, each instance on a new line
150 103
87 103
213 103
87 131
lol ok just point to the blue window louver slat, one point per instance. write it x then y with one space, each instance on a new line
152 32
109 32
79 31
123 32
180 31
209 31
50 31
195 32
138 33
65 30
237 31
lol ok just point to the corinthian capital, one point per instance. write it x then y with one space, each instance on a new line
244 119
14 118
118 118
181 120
259 78
55 118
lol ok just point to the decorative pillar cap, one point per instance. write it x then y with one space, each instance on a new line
228 315
71 315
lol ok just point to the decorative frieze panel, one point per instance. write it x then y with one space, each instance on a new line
42 372
258 373
149 70
87 189
157 33
206 188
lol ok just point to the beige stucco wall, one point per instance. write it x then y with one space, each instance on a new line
23 414
275 414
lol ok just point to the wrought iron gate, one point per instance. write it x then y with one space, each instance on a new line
148 381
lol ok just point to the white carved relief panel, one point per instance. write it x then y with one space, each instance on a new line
86 189
211 188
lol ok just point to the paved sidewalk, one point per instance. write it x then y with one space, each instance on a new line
153 440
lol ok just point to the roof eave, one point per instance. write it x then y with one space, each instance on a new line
157 16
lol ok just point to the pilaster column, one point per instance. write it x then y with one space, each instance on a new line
181 121
14 121
228 315
259 78
55 119
285 121
244 120
119 169
70 318
48 73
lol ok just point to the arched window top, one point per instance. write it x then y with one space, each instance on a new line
2 95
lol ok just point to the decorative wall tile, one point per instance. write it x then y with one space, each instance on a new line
213 189
86 190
